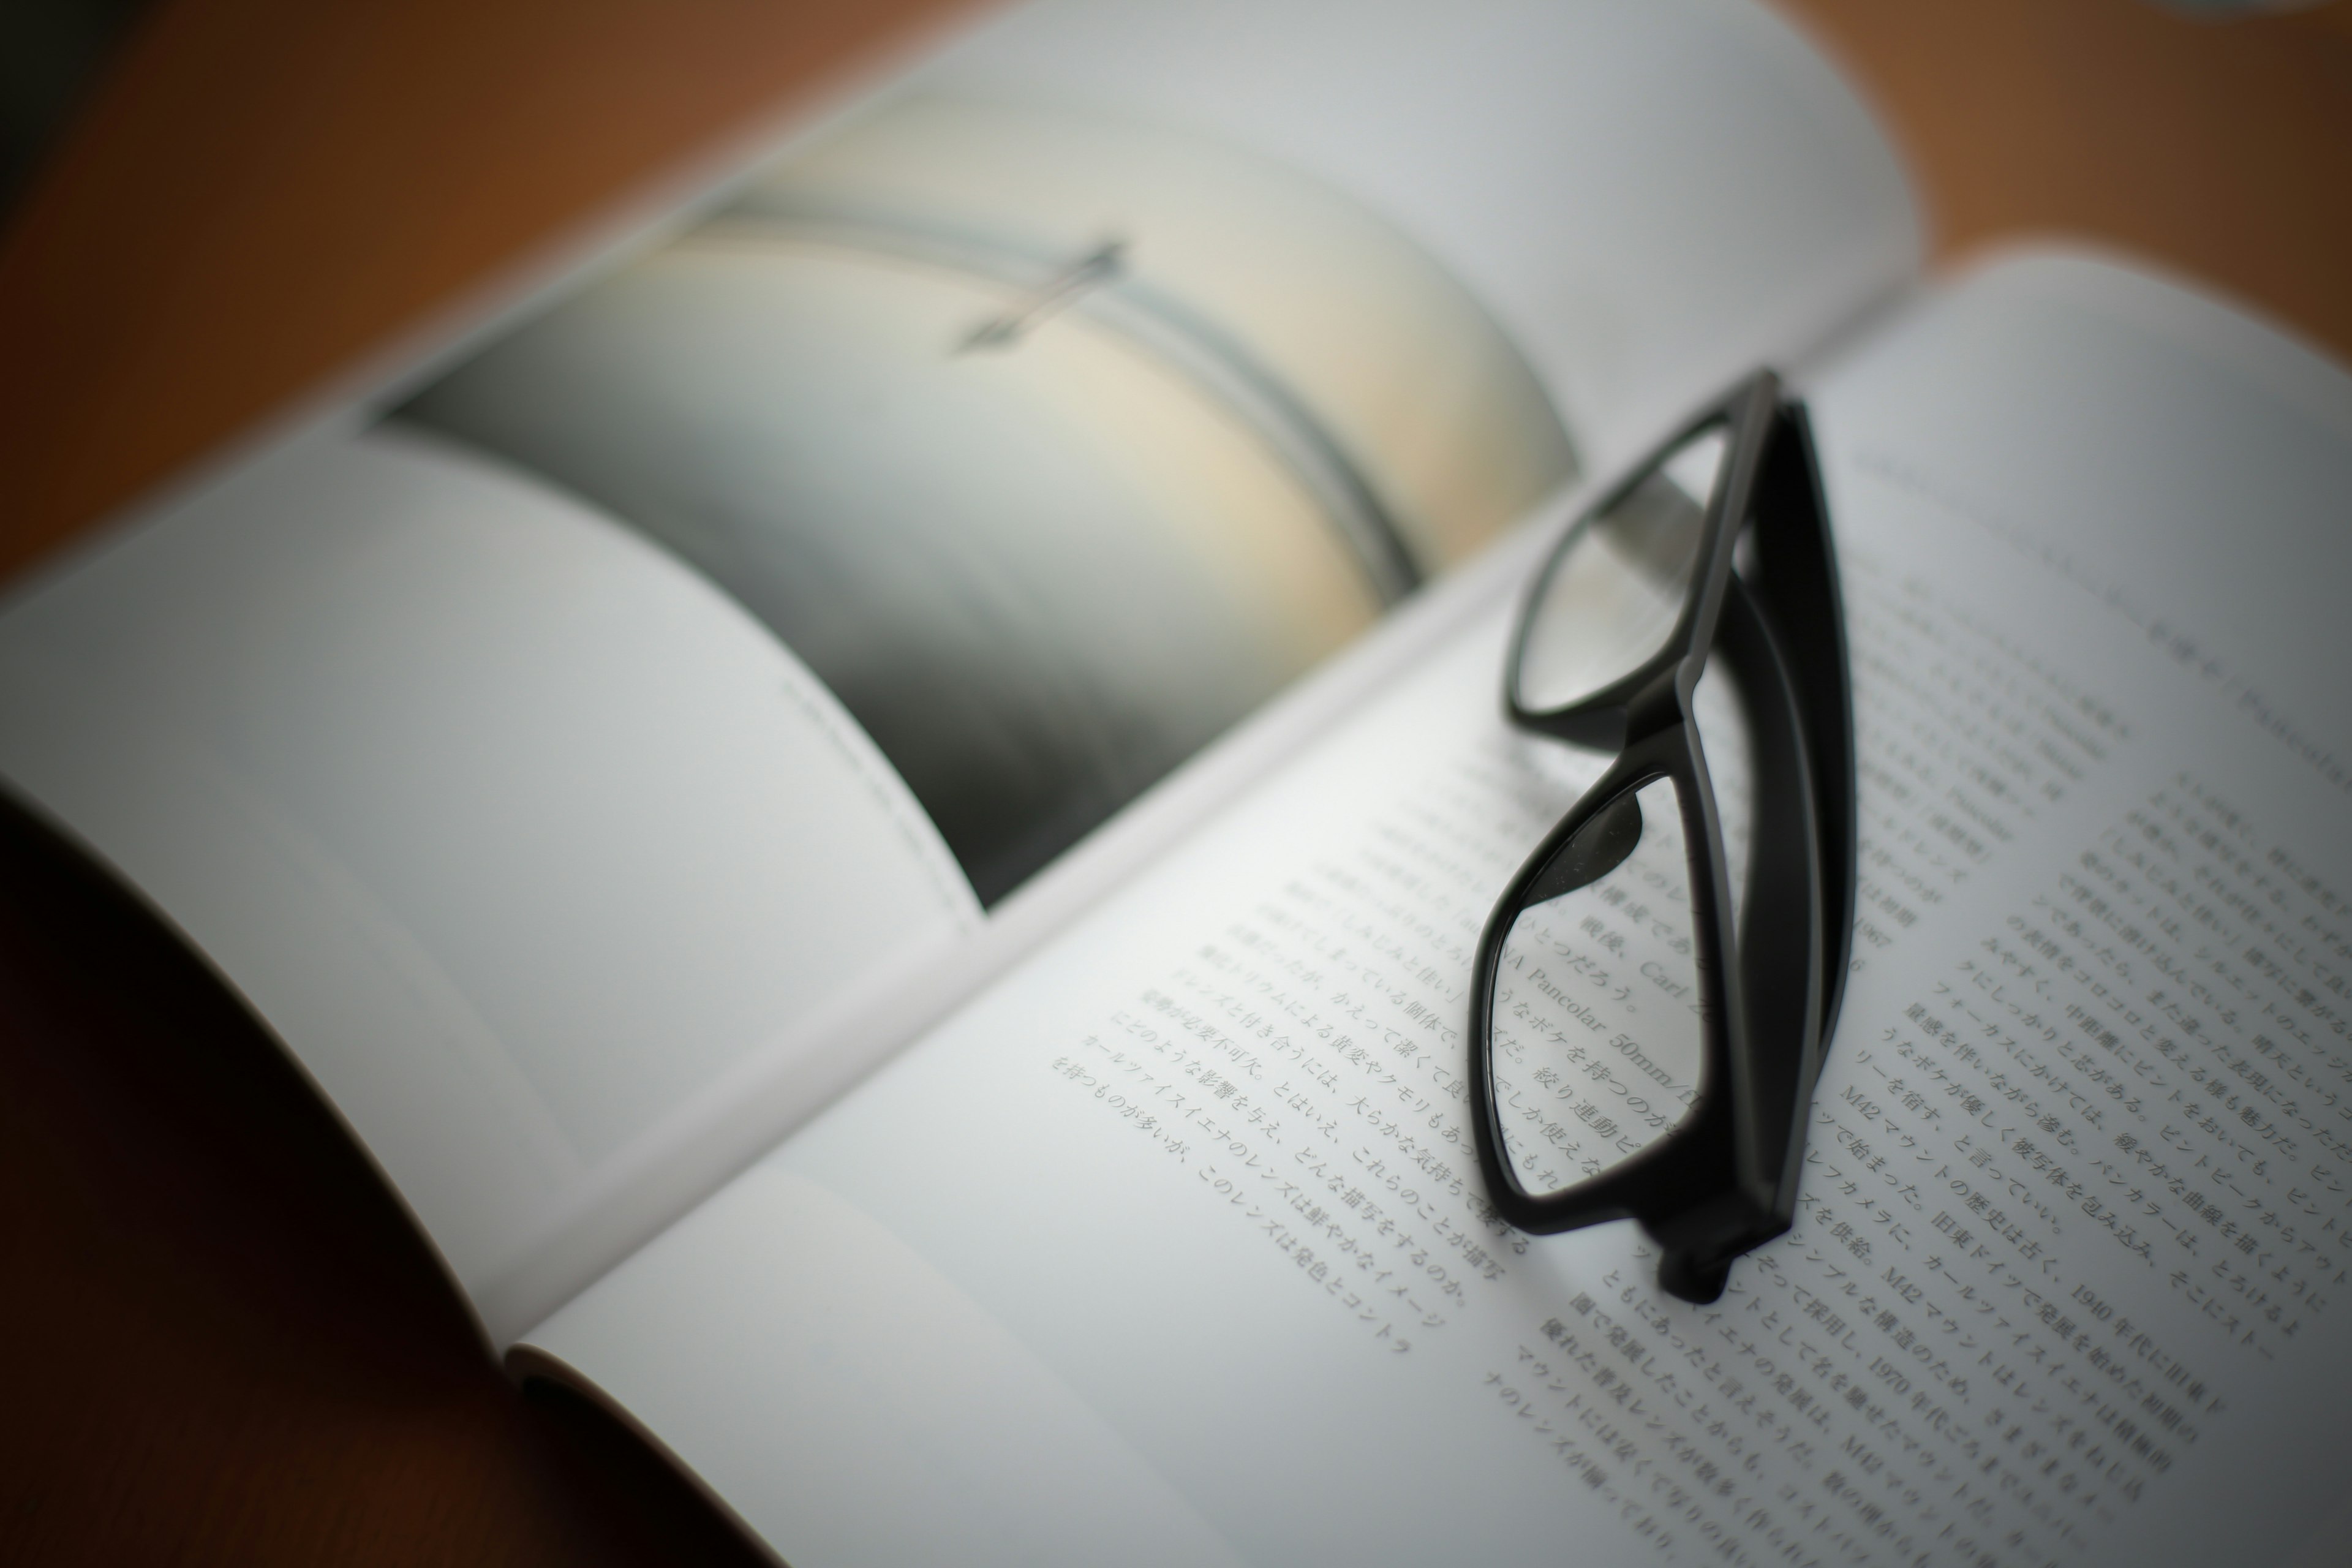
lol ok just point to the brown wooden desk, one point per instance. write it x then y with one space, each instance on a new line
219 1340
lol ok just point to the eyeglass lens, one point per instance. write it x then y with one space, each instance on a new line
1614 592
1598 1029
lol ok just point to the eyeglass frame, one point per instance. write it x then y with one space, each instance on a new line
1723 1181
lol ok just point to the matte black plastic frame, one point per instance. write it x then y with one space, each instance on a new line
1723 1182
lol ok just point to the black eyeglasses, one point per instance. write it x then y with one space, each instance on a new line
1655 991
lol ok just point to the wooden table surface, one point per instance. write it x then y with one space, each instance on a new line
220 1341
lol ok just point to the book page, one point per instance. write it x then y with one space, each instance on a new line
598 747
1186 1215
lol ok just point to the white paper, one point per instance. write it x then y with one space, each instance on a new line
571 890
1206 1155
522 833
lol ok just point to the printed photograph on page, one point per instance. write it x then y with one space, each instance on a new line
1053 442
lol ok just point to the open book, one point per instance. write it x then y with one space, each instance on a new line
876 803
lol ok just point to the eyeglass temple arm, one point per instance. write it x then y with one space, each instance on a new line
1777 990
1796 579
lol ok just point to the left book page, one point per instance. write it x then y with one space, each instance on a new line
593 751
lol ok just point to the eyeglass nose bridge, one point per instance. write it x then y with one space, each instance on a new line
1616 727
1660 704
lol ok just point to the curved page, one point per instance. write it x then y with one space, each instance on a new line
593 752
523 834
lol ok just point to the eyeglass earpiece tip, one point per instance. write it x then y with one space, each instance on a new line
1680 1277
